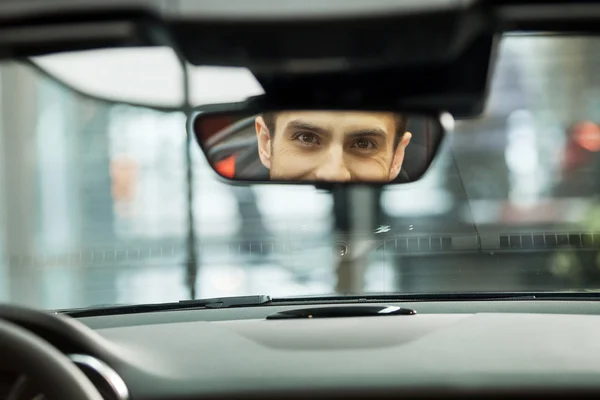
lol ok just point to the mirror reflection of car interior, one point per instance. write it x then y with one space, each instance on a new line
332 146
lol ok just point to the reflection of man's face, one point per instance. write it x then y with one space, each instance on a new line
332 146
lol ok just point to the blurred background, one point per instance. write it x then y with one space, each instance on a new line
104 203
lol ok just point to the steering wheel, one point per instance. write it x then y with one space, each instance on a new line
56 376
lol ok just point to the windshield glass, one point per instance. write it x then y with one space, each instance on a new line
97 206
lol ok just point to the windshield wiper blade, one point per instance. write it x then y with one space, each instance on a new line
405 297
261 300
225 302
591 295
217 302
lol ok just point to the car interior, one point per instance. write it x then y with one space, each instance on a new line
435 58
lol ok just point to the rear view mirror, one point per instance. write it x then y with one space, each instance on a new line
311 146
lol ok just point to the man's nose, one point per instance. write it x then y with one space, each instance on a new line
333 168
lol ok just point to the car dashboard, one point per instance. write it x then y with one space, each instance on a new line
464 349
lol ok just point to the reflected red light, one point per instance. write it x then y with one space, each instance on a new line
587 135
226 167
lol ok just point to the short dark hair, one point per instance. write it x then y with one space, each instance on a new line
401 122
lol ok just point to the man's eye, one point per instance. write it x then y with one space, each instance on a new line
307 138
364 144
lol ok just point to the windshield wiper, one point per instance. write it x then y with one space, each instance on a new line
591 295
264 300
217 302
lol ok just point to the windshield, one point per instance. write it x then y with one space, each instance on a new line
97 206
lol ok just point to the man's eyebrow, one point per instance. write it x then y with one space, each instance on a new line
306 126
367 132
302 125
